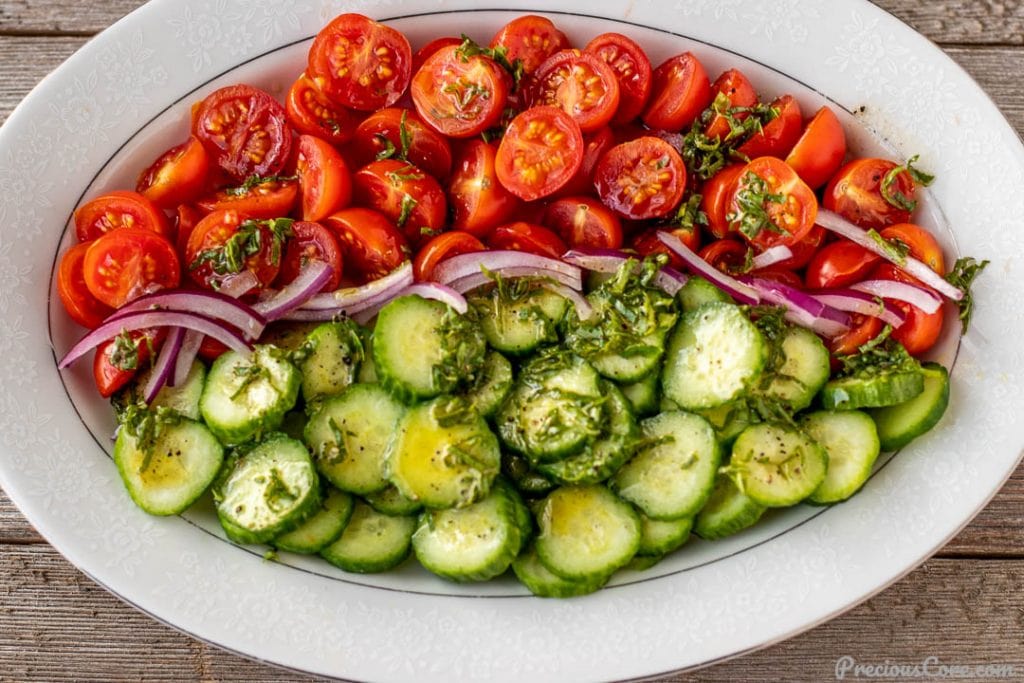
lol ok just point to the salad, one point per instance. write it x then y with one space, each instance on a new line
522 306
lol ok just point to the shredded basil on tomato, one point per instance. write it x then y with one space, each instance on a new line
890 190
752 200
470 48
404 141
255 181
230 257
407 172
895 249
408 206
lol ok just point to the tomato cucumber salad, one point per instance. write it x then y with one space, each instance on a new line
523 306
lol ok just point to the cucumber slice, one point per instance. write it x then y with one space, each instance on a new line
288 335
391 502
875 391
473 543
641 563
697 291
320 530
776 465
804 370
528 480
728 511
371 542
643 394
728 420
660 537
586 533
715 354
268 491
349 436
168 475
850 439
244 398
518 317
423 348
333 353
540 581
673 472
443 454
900 424
183 398
491 386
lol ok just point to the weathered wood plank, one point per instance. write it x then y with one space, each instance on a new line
62 16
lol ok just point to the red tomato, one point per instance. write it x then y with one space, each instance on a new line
584 222
580 84
777 137
714 194
460 96
269 199
208 259
735 87
445 245
185 222
430 48
864 329
643 178
310 242
116 210
790 219
245 130
324 179
127 263
727 255
479 201
521 236
819 151
405 194
540 151
855 193
632 70
646 243
594 146
922 245
371 245
680 91
804 250
380 136
530 39
360 63
177 176
311 112
114 365
839 264
783 275
82 306
919 330
210 349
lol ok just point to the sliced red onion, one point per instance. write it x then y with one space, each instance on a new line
463 265
427 290
668 279
584 311
859 302
801 308
212 304
901 291
238 284
910 265
311 279
144 319
354 299
163 368
730 285
186 356
480 278
771 256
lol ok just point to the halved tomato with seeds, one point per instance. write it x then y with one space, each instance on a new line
460 95
441 247
227 242
177 176
530 39
541 150
125 264
371 245
479 202
313 113
324 179
411 198
397 133
116 210
581 84
680 91
770 205
257 197
81 305
739 93
640 179
310 242
632 69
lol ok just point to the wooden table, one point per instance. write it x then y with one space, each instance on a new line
966 605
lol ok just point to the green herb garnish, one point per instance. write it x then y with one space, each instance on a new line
470 48
890 189
247 241
256 180
752 199
965 270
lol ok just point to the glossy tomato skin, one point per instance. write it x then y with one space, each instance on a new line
185 222
371 245
421 55
819 151
177 176
382 130
244 130
922 245
864 329
210 349
714 194
646 243
581 84
109 378
680 91
776 274
641 179
324 179
478 200
542 149
270 199
738 89
528 237
360 63
594 146
457 97
839 264
919 331
530 39
805 249
727 255
81 305
310 242
441 247
212 233
584 222
124 264
391 187
116 210
855 193
632 69
777 137
311 112
793 217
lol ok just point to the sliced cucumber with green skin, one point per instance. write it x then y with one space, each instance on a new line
268 491
900 424
516 318
641 563
804 371
367 369
423 348
391 502
320 530
586 532
727 420
166 477
443 454
850 439
875 391
473 543
673 472
349 436
491 386
243 398
182 398
333 353
524 518
660 537
714 355
371 542
288 335
776 465
697 291
728 511
543 583
643 394
527 479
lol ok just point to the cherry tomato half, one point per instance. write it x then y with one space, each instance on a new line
311 112
430 48
643 178
269 199
400 133
81 305
839 264
714 194
632 69
310 242
919 330
124 264
920 242
185 222
788 220
460 96
864 329
209 261
777 137
528 237
738 90
324 179
727 255
114 365
540 152
584 222
819 151
531 40
371 245
805 249
440 247
855 193
405 194
177 176
116 210
579 83
594 146
478 200
680 91
646 243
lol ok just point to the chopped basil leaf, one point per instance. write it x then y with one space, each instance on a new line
965 270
